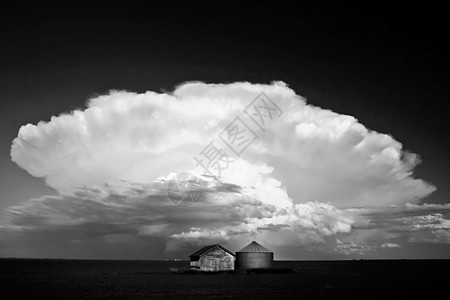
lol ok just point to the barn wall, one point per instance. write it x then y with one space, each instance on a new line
195 264
217 260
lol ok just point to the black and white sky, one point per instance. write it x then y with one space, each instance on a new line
103 103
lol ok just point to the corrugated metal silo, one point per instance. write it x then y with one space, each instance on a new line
253 256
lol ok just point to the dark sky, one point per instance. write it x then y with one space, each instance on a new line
386 65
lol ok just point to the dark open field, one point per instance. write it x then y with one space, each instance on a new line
94 279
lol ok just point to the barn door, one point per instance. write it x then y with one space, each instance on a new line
216 264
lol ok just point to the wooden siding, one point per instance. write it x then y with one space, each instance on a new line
214 260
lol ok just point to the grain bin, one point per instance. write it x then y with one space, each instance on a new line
253 256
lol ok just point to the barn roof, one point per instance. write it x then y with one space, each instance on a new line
254 247
206 249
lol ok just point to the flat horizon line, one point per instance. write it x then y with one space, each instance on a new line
187 260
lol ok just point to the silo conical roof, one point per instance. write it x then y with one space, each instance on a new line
254 247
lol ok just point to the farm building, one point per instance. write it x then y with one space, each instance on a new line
253 256
212 258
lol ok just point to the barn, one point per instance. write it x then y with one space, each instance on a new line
254 256
212 258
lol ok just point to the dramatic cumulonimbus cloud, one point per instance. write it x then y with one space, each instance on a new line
303 180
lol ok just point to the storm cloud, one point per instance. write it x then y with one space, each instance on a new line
311 177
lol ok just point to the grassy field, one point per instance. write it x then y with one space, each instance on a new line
93 279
